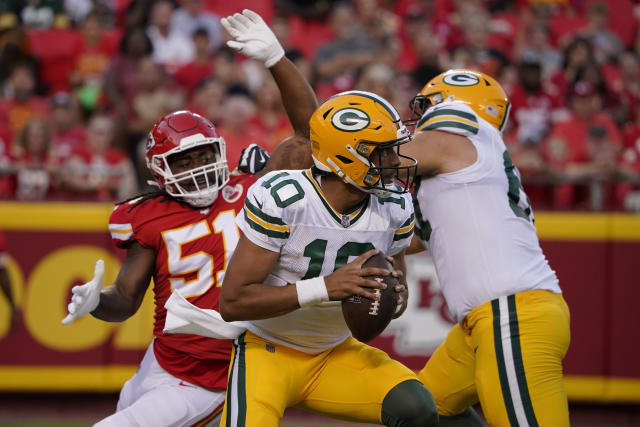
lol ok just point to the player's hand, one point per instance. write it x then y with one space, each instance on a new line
400 288
253 159
253 38
85 297
351 279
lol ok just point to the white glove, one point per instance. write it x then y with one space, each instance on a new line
85 297
253 38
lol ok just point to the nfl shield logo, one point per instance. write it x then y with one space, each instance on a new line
346 221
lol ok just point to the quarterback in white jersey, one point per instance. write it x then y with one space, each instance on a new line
305 237
473 216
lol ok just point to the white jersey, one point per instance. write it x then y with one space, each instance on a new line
477 222
286 212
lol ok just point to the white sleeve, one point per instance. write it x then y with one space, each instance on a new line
261 218
403 222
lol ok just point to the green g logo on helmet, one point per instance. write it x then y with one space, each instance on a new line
461 79
350 119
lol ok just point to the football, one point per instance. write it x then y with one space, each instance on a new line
366 318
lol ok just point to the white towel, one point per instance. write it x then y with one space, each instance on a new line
185 318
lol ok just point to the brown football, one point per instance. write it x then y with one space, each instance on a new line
366 318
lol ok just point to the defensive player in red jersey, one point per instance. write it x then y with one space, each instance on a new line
182 237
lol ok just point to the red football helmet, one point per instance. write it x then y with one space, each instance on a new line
178 132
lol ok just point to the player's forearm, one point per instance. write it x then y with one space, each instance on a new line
258 301
114 306
298 96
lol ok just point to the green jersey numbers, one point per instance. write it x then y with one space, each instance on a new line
284 192
518 200
316 251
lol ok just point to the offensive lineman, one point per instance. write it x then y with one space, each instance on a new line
473 216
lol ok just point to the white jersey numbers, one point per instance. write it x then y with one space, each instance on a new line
192 273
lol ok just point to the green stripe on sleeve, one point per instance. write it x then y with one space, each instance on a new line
259 228
402 236
263 216
408 221
447 112
451 124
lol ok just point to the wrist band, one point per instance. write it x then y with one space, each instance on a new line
311 291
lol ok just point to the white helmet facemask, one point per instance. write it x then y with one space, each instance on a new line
199 186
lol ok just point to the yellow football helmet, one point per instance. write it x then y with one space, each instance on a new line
482 93
347 129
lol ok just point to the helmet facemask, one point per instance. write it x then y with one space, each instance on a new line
197 186
383 180
421 103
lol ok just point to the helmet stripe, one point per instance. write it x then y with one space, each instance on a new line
387 106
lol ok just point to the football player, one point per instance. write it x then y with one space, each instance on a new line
305 236
473 216
182 236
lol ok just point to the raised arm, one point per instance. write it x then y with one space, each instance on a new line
254 39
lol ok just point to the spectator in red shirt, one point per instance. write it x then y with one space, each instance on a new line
585 110
189 76
69 135
34 163
99 171
601 181
270 117
568 144
237 112
207 99
534 106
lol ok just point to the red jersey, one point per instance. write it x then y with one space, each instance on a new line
192 248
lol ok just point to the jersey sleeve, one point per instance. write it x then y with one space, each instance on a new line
453 117
261 219
403 223
124 227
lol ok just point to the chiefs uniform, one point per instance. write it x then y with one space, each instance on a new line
192 247
181 377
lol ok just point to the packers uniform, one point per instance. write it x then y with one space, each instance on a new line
307 358
513 329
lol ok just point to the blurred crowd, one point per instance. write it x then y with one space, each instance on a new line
83 81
